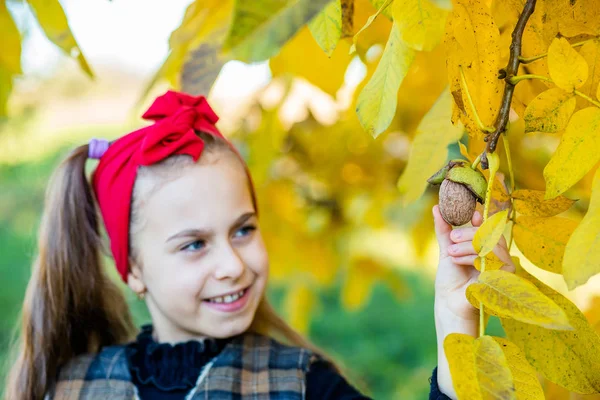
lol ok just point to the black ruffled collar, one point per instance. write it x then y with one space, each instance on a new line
167 366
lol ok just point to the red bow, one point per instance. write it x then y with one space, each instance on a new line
177 116
172 103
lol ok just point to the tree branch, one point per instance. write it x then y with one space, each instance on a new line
511 70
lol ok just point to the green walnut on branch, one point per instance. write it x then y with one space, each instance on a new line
461 187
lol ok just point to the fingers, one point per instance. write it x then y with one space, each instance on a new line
465 260
477 219
442 231
461 249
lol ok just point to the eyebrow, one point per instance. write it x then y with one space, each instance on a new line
206 232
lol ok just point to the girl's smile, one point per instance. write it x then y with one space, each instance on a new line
231 302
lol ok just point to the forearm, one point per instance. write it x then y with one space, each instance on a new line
446 323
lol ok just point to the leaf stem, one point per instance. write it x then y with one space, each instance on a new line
518 78
509 162
584 96
512 187
527 60
471 104
476 162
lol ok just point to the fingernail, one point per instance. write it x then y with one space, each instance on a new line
456 234
452 248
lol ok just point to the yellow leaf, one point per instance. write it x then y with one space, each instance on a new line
549 111
429 149
492 262
527 384
378 29
378 4
567 67
358 286
370 20
569 358
472 43
376 104
590 52
478 367
202 61
421 23
598 92
488 234
53 21
531 203
577 153
299 303
465 152
10 56
575 28
326 27
363 274
543 240
509 296
292 59
582 254
5 89
261 27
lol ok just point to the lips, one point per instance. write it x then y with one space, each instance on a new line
229 303
228 298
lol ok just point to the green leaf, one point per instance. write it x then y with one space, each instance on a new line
261 27
488 234
52 19
509 296
568 358
326 27
582 254
577 153
421 23
10 56
550 111
429 149
376 104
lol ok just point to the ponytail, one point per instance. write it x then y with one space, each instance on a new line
71 306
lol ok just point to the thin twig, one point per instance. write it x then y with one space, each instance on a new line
511 70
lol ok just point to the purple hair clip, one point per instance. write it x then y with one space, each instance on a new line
97 148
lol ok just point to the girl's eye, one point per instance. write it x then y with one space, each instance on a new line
245 231
194 246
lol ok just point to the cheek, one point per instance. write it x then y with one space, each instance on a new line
177 275
257 258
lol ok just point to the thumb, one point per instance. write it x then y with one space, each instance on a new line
442 231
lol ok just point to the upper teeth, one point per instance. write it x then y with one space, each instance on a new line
230 298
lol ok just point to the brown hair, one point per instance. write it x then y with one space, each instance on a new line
71 305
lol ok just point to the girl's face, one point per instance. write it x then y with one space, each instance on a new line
201 257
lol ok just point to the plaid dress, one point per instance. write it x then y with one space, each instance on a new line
251 366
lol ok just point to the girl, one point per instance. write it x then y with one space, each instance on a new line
179 208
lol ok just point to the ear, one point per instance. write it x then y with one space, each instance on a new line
135 278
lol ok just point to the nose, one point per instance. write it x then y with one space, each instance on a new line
230 264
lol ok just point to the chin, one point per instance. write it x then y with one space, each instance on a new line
233 328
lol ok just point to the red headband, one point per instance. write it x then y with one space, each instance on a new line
177 117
